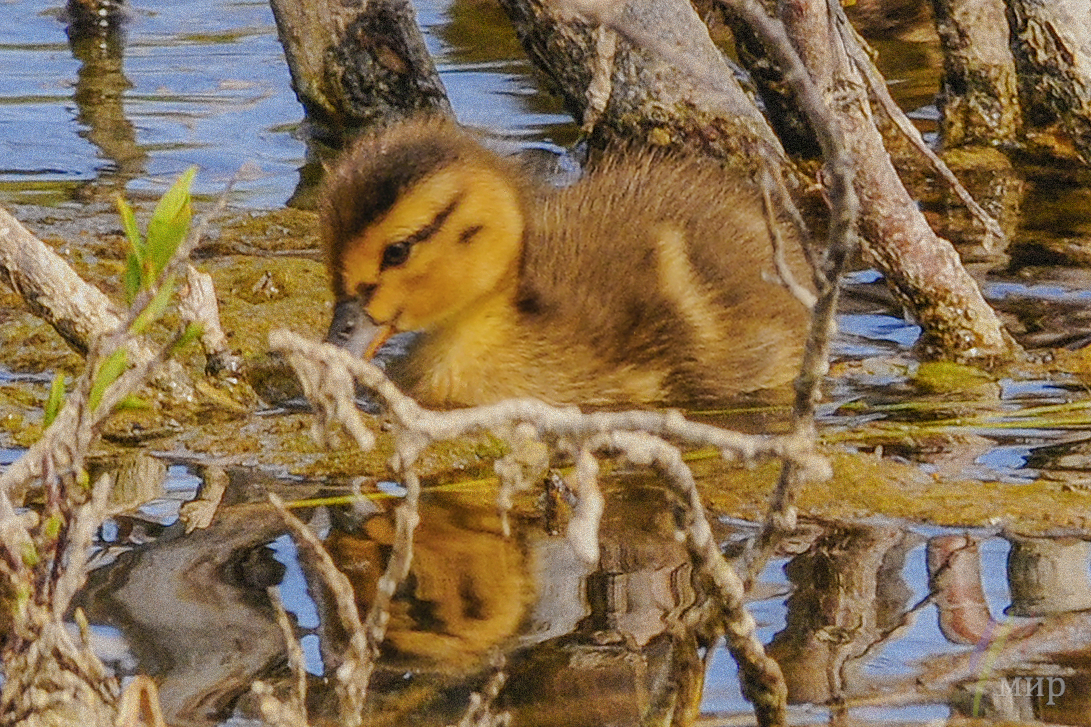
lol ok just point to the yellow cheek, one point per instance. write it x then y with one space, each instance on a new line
417 300
444 276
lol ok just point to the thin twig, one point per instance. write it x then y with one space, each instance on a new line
352 676
296 661
784 271
855 47
555 421
80 537
841 240
638 436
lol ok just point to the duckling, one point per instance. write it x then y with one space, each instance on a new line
651 280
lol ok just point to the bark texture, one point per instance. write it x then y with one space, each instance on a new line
649 71
52 290
923 269
980 94
78 311
1052 46
356 64
781 110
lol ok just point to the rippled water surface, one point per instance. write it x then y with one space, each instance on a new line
888 613
203 83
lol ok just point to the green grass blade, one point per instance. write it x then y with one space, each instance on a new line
114 365
168 225
56 400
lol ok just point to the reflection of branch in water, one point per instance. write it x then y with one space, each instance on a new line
479 713
292 711
328 372
94 19
352 675
99 97
838 609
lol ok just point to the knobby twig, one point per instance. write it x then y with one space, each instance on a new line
854 47
841 240
638 436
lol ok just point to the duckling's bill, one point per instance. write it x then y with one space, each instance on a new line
352 330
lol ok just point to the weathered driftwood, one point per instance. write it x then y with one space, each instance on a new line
778 102
792 125
53 291
923 269
78 311
197 304
1051 40
884 102
356 64
979 98
643 70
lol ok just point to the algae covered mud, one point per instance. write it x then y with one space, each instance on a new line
956 522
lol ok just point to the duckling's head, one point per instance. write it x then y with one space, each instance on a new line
421 225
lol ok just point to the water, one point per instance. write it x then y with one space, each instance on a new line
904 623
206 84
197 85
201 83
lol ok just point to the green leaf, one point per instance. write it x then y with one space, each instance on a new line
132 401
193 332
155 307
134 261
56 400
128 222
168 226
108 372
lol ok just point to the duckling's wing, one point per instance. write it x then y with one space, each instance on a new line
666 261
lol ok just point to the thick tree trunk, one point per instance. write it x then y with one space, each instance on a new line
1052 46
923 269
979 99
649 71
356 64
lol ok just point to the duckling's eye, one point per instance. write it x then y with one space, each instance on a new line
395 255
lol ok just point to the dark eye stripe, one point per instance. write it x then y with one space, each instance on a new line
437 222
397 252
468 233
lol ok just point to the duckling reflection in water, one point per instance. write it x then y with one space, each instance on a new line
650 280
